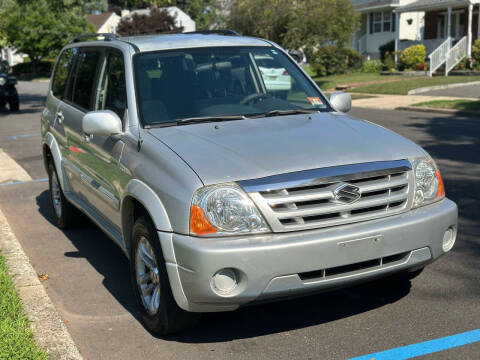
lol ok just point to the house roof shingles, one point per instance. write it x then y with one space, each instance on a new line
422 5
99 20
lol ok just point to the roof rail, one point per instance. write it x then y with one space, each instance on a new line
106 37
215 32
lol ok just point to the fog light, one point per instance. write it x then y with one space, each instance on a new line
224 281
448 239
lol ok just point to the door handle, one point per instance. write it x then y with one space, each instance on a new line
59 116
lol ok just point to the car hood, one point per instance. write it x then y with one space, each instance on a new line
255 148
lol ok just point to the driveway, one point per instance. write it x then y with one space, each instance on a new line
89 283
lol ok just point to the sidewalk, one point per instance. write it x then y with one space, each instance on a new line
392 102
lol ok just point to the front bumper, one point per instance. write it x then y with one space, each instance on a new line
280 265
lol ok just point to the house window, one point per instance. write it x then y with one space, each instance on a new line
387 21
377 22
382 22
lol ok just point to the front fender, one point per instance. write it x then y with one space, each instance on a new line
151 202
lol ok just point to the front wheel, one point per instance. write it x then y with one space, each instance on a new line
14 103
159 311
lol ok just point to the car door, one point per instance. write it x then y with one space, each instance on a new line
57 95
78 101
100 155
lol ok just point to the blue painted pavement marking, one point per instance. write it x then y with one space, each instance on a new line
17 137
23 182
427 347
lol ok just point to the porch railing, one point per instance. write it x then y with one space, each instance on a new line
456 54
439 56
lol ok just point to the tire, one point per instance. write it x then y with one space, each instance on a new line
14 103
159 312
63 212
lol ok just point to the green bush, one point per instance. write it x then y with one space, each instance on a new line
413 56
29 69
385 49
389 61
372 66
331 60
476 55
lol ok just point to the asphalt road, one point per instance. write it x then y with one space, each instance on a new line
468 91
89 284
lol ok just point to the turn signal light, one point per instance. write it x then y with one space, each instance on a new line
199 224
441 187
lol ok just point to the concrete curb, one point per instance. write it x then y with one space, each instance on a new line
438 111
49 330
441 87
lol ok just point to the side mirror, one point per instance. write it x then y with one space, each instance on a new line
104 123
341 101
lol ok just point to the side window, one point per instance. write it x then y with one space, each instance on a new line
60 79
85 78
112 92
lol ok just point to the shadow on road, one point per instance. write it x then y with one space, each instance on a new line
29 104
94 246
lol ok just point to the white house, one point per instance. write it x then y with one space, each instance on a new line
11 55
181 18
378 24
105 22
450 28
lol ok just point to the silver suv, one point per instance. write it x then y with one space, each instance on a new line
228 178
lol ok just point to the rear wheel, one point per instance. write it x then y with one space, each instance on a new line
14 103
63 211
159 311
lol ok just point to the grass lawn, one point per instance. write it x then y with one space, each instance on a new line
330 82
402 87
451 104
16 337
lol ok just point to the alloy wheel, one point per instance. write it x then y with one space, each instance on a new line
147 275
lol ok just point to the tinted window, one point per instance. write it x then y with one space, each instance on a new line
112 93
60 78
206 82
85 78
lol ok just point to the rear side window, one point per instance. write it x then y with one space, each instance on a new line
60 79
87 65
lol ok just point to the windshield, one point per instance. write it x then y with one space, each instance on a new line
220 82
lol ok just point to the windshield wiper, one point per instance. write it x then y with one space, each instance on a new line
200 119
284 112
195 120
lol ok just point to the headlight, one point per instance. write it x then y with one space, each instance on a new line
3 80
428 182
224 210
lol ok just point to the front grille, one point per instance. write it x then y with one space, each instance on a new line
311 203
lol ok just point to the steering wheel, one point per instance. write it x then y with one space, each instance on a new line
253 98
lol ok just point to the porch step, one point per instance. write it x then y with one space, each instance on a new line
440 71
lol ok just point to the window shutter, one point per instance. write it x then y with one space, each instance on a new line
394 22
371 22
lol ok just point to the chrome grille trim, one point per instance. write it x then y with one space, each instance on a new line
305 200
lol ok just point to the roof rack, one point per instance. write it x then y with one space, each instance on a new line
106 37
215 32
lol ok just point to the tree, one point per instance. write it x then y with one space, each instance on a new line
159 21
262 18
96 6
40 30
295 24
320 23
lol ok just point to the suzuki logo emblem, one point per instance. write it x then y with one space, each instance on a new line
346 193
